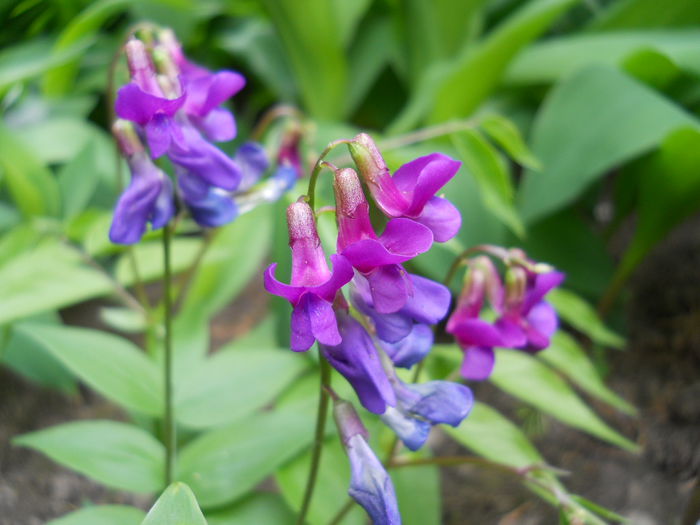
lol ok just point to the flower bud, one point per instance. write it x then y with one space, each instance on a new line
127 138
141 68
515 287
352 210
348 421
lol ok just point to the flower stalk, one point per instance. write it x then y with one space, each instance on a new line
169 434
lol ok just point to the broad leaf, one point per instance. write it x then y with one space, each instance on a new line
102 515
507 135
111 365
259 507
212 465
410 482
577 145
176 506
116 454
149 258
529 379
646 13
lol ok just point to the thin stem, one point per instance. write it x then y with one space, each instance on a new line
321 416
169 437
340 516
311 192
428 133
273 114
186 280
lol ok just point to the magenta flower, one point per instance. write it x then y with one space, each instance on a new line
149 196
370 485
410 192
313 286
476 337
527 321
356 358
378 258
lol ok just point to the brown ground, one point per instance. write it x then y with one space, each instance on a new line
659 373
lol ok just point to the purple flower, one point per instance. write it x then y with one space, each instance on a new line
410 192
357 360
377 258
527 322
475 336
149 196
405 334
420 406
313 286
370 485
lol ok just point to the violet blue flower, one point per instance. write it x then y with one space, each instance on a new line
313 286
410 192
370 485
378 259
476 337
149 196
357 360
527 321
411 349
420 406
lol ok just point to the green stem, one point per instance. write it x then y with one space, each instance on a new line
311 192
340 516
169 434
321 417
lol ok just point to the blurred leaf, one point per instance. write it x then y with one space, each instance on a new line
598 509
255 42
127 320
29 59
577 145
212 466
149 258
47 277
477 72
111 365
313 44
233 383
59 80
581 315
491 435
118 455
646 13
669 191
77 180
418 494
525 377
554 59
332 485
176 506
30 358
653 68
55 140
102 515
491 173
32 186
258 508
565 354
348 15
507 135
231 261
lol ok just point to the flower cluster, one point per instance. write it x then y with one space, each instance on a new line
172 108
525 321
385 319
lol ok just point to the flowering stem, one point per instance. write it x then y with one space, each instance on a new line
311 192
321 417
169 435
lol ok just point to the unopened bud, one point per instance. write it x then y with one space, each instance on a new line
366 155
348 191
348 421
516 285
141 67
301 223
164 62
127 138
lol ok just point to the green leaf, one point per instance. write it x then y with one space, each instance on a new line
233 383
313 43
29 59
529 379
491 173
581 315
332 485
118 455
669 191
149 258
507 135
176 506
30 285
212 466
77 180
348 15
423 480
32 186
56 140
491 435
646 13
461 93
102 515
58 80
568 357
554 59
577 145
111 365
259 507
598 509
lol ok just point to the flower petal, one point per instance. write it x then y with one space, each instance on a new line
253 161
322 317
542 323
411 349
138 106
441 217
275 287
218 125
413 432
301 337
406 237
476 332
430 301
544 283
389 286
439 401
478 363
422 177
